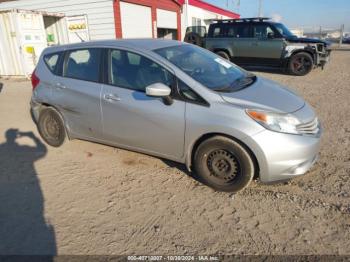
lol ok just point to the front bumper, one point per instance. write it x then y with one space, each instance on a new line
323 57
283 156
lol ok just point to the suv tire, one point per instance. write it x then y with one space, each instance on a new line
300 64
193 38
223 54
224 164
51 127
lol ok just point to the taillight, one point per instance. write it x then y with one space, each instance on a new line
35 80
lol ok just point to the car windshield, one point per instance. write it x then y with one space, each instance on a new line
284 30
207 68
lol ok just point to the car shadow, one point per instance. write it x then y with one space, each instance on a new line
182 168
23 229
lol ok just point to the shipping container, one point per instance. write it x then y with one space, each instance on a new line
23 36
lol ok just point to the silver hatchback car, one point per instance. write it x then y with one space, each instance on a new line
176 101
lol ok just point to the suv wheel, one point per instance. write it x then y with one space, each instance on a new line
224 164
300 64
51 127
193 38
223 54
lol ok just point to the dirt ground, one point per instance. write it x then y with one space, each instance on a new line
86 198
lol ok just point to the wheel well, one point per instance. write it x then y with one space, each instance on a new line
210 135
304 51
46 105
222 50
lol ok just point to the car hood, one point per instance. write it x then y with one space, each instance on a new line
267 95
307 40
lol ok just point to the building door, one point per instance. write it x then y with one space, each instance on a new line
166 24
136 20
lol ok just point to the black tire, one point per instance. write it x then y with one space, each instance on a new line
300 64
51 127
224 164
193 38
223 54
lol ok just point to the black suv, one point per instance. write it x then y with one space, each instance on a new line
260 42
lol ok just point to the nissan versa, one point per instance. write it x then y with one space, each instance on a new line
176 101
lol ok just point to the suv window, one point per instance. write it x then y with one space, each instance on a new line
133 71
262 30
216 30
51 60
83 64
238 30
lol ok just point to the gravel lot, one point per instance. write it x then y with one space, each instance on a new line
86 198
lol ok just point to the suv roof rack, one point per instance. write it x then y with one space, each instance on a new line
252 19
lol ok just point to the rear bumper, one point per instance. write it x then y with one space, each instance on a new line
283 156
34 110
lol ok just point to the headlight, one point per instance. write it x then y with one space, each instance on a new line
284 123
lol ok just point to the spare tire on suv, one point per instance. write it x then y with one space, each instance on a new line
193 38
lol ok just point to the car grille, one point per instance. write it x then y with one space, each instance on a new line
320 48
309 128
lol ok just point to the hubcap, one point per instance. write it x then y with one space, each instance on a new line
223 165
51 128
301 64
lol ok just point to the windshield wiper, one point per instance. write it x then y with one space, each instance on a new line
238 84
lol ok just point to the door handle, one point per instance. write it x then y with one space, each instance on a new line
112 97
60 85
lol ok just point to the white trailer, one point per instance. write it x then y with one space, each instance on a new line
23 36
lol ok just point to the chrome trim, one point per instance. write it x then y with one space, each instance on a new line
309 128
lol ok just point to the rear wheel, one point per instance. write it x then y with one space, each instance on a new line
51 127
300 64
223 54
224 164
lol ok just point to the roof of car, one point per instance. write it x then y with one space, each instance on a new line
141 44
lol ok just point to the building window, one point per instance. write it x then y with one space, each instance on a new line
196 21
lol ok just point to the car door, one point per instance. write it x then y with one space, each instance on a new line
133 119
241 40
77 90
268 45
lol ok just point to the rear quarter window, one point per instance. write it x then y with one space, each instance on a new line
51 61
216 30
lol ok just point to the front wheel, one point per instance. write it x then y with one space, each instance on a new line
51 127
300 64
224 164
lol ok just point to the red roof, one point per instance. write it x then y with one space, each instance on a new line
211 8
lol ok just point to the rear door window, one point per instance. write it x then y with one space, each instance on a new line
83 64
238 30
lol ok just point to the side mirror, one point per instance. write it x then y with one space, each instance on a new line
160 90
270 35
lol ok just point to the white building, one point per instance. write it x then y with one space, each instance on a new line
200 13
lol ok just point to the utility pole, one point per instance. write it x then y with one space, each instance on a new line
341 35
260 9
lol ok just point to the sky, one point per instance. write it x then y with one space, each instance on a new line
307 14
